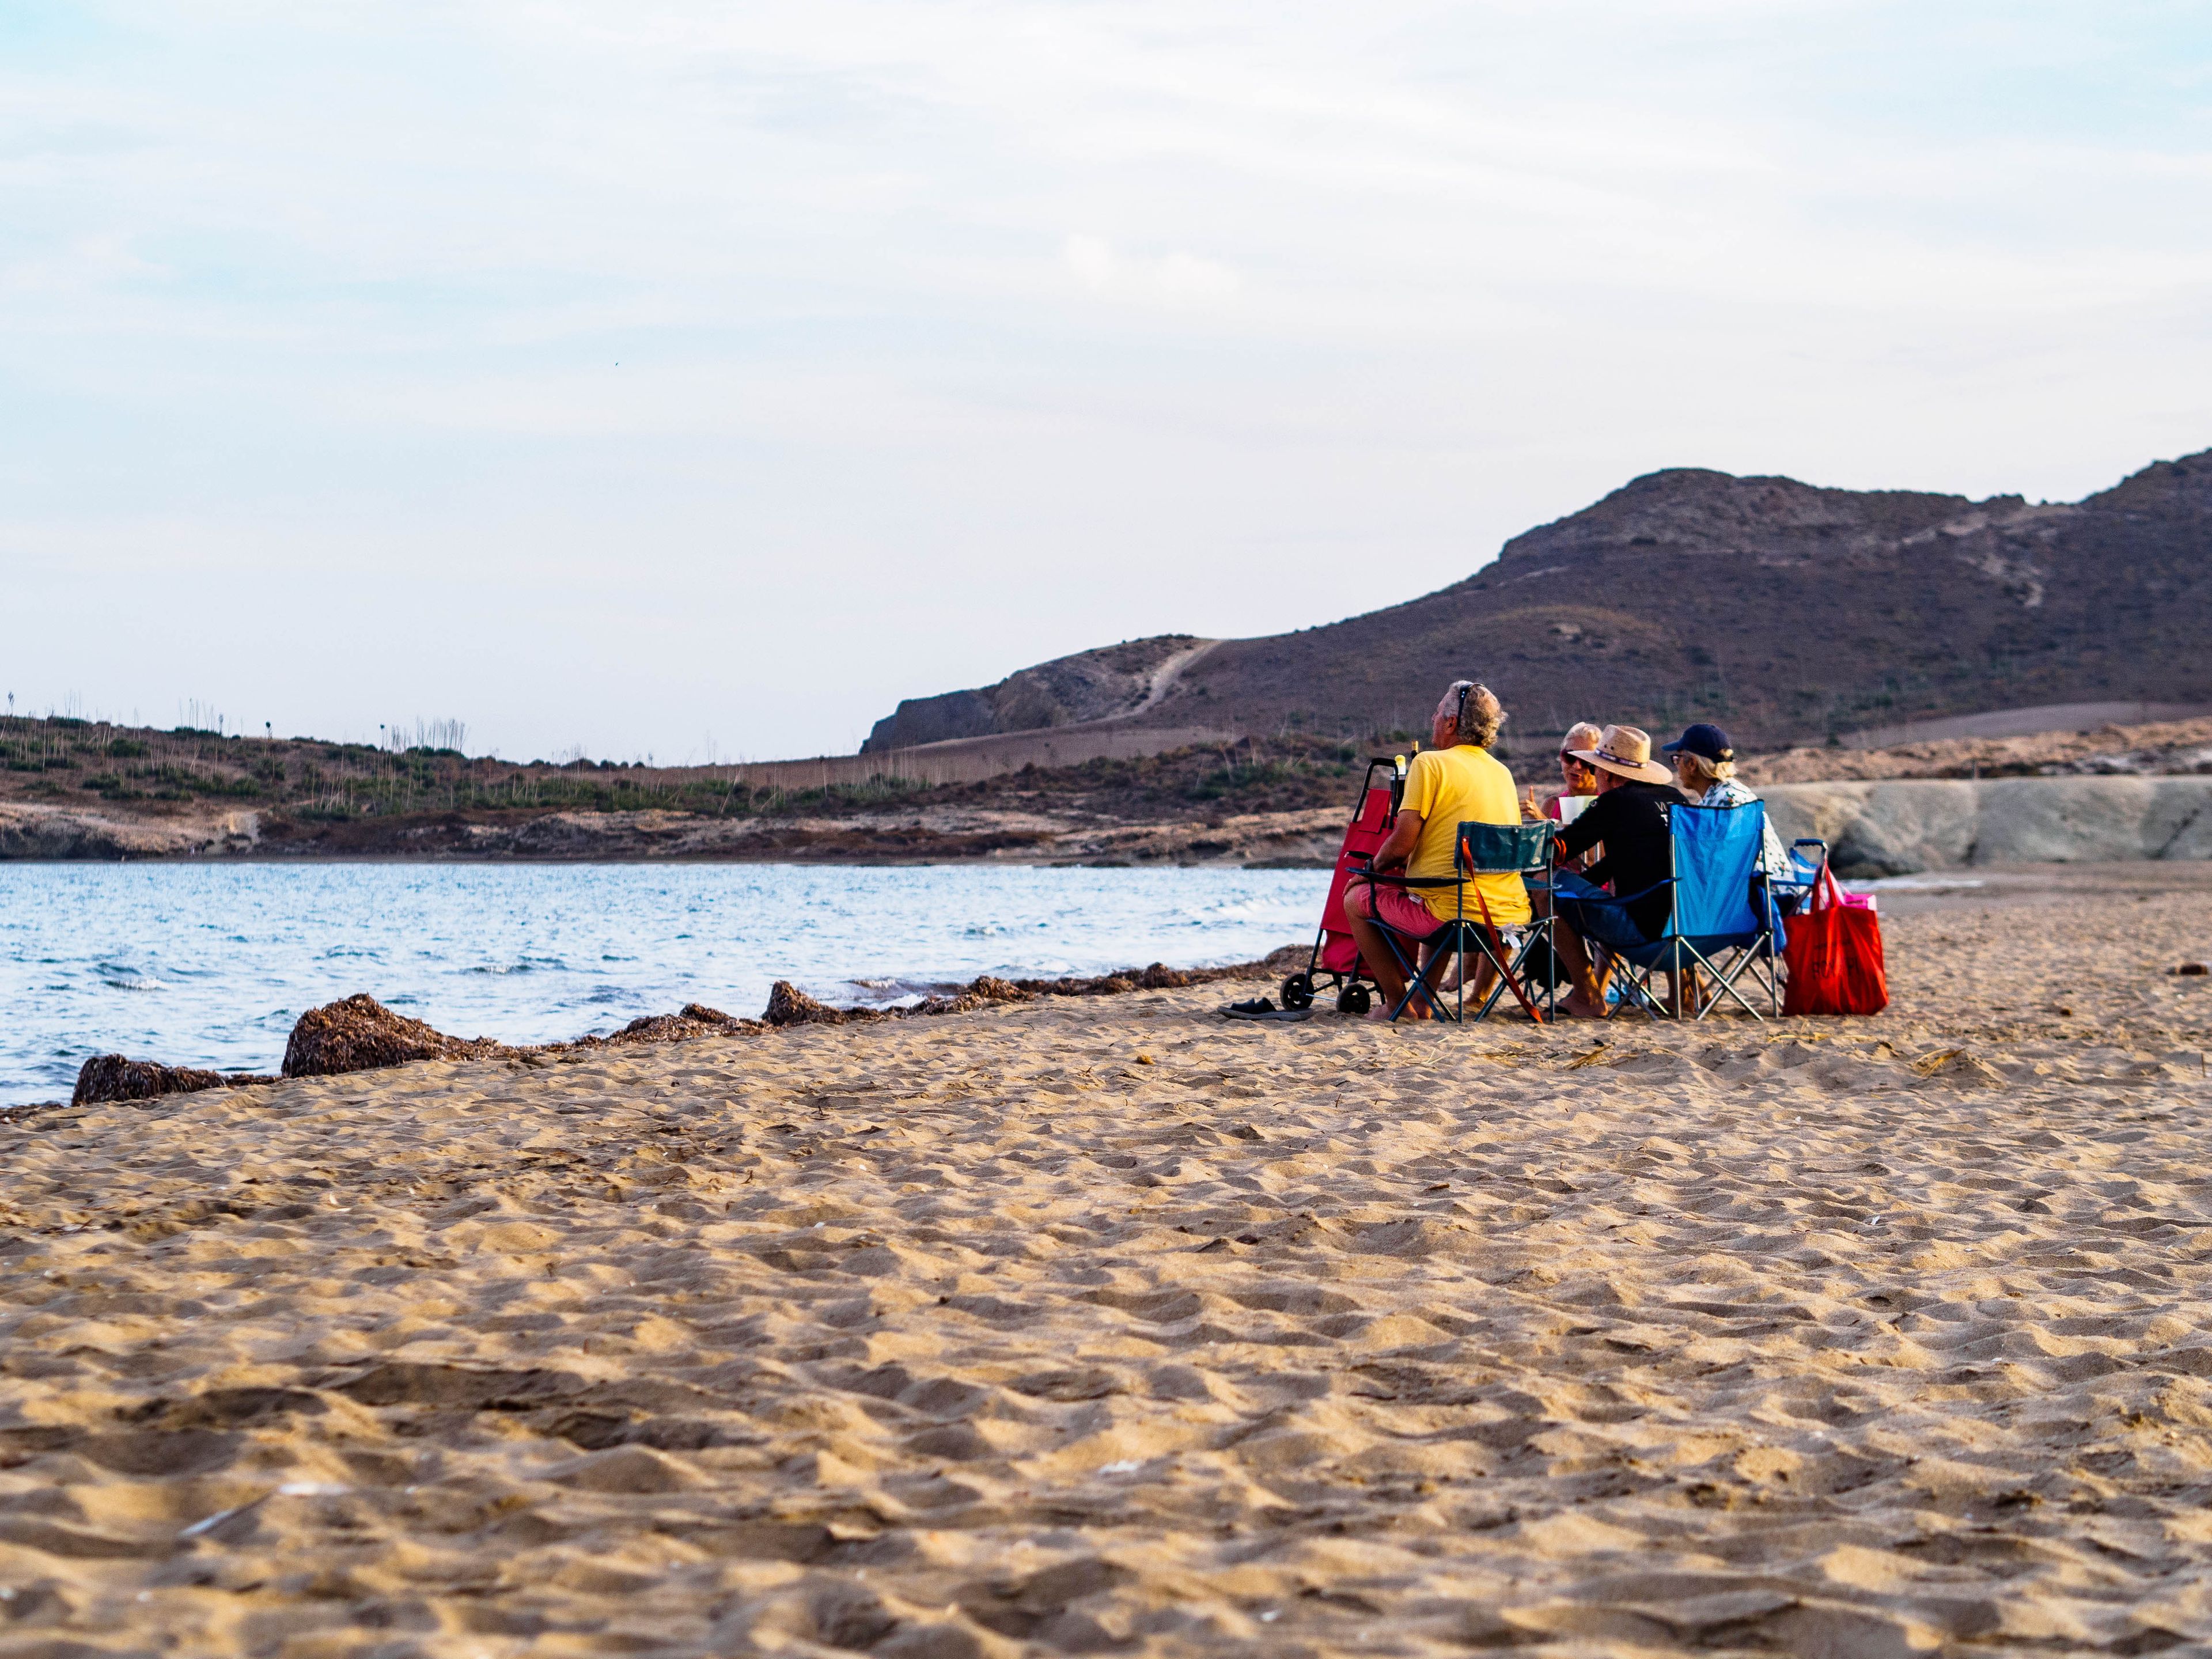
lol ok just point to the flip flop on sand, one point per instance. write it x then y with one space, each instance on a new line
1261 1008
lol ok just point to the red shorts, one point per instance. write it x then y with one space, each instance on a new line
1395 908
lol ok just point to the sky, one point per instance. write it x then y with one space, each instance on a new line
696 381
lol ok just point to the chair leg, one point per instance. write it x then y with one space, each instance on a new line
1419 977
1499 985
1421 984
1411 971
1745 957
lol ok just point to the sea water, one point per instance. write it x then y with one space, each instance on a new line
208 965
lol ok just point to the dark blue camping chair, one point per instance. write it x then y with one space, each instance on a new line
1492 849
1722 918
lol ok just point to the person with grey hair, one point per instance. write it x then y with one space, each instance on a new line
1704 770
1458 782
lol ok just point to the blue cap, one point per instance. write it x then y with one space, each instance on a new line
1708 741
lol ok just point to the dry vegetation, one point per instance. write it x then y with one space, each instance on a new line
83 764
71 762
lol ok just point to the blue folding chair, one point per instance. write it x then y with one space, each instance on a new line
1497 849
1721 919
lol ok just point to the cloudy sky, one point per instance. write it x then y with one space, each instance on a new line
700 378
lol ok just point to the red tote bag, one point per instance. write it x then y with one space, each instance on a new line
1834 956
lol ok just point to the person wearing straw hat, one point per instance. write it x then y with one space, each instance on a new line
1630 816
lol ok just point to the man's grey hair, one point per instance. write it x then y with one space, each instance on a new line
1484 713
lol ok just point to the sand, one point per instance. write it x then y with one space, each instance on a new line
1110 1327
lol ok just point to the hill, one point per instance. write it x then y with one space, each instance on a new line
1785 611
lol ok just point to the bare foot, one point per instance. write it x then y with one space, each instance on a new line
1381 1012
1579 1006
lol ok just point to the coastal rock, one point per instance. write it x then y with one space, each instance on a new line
361 1035
1157 977
979 992
32 831
118 1076
789 1005
695 1019
1900 826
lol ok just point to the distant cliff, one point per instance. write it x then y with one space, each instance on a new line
1784 611
1117 680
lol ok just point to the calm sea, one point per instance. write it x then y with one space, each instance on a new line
209 964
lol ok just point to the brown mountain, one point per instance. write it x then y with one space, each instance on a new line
1784 611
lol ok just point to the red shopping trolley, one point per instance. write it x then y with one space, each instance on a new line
1335 959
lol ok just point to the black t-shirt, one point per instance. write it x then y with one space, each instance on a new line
1630 819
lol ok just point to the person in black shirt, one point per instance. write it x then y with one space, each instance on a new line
1630 818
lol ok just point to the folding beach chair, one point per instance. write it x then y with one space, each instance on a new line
1492 849
1525 850
1721 917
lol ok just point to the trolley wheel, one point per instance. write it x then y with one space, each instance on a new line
1298 991
1353 999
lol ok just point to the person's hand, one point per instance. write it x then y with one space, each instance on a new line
1530 812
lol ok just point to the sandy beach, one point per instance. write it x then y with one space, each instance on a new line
1106 1326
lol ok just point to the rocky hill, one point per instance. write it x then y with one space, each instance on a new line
1787 612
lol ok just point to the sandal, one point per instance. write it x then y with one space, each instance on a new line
1261 1008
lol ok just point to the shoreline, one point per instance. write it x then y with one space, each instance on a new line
360 1034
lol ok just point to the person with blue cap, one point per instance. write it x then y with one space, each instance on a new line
1704 769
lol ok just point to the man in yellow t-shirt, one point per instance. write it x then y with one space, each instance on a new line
1456 783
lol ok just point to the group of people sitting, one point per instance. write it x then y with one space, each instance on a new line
1612 849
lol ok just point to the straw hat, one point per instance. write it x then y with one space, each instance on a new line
1627 751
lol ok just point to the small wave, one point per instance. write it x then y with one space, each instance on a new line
524 965
888 992
135 982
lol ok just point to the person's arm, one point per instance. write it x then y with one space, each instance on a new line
1405 835
1588 829
1415 802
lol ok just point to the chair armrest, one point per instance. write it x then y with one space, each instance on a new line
1630 898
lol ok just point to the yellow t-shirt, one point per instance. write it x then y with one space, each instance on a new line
1449 787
